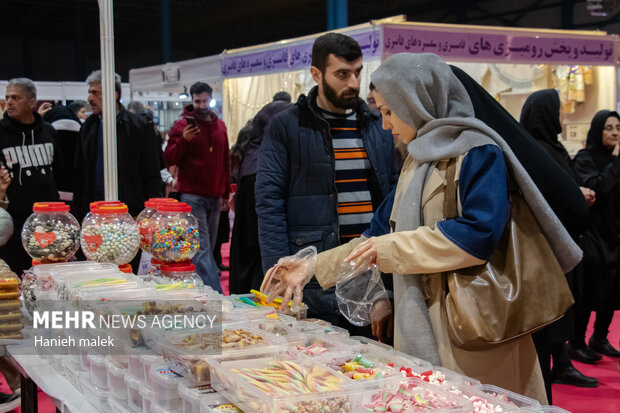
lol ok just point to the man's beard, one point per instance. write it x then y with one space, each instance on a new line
204 114
340 101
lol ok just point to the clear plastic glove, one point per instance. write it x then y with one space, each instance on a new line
288 277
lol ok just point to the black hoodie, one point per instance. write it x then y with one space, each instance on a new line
28 152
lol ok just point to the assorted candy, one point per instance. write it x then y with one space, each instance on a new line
288 378
313 350
175 233
109 234
361 368
144 221
410 397
51 233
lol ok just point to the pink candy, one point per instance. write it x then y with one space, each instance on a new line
313 350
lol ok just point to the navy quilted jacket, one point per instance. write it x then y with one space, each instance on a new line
296 198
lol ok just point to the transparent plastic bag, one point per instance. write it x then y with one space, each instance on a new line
358 290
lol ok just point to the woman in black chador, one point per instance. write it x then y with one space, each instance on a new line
540 116
598 167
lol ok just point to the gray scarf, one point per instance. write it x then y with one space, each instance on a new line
423 92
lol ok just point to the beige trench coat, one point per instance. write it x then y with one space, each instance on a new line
513 366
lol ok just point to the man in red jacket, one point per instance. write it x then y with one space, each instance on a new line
198 146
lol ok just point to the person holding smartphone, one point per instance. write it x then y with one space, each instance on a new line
198 146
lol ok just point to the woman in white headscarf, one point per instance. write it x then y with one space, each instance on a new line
427 108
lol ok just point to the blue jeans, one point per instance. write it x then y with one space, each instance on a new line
207 213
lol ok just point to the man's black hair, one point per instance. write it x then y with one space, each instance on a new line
200 87
336 43
283 96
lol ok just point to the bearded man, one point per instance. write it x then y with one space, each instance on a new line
324 166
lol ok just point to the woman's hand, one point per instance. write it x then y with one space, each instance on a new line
589 194
383 328
366 252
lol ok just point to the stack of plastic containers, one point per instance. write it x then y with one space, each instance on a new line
51 233
10 314
146 231
109 234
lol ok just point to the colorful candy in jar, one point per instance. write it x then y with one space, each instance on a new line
144 221
51 233
109 234
175 233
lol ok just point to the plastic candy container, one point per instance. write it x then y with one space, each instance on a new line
180 272
144 221
51 233
175 233
109 234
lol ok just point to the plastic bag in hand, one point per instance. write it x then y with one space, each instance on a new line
358 290
289 276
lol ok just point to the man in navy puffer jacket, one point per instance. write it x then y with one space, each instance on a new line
324 166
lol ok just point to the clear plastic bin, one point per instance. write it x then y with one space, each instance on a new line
550 409
84 361
150 360
118 406
116 380
147 398
416 395
481 402
98 371
190 361
509 397
134 398
73 373
191 395
216 403
440 376
165 385
120 361
229 380
310 327
362 364
136 362
280 329
323 347
94 395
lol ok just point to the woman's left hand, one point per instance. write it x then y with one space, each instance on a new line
366 252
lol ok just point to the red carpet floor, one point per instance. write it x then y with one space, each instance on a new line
606 397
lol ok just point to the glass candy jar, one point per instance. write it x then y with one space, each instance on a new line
175 233
179 272
51 233
144 221
110 234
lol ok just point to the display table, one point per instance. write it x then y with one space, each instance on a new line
38 372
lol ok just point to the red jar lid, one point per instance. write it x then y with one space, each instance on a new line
178 267
174 207
102 203
155 202
50 207
126 268
110 209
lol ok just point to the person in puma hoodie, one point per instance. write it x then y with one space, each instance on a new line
200 152
29 152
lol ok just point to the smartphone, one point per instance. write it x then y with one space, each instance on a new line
190 120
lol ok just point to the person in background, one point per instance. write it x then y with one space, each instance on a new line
80 109
540 116
198 146
324 166
30 154
6 222
136 150
246 270
67 127
283 96
598 168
